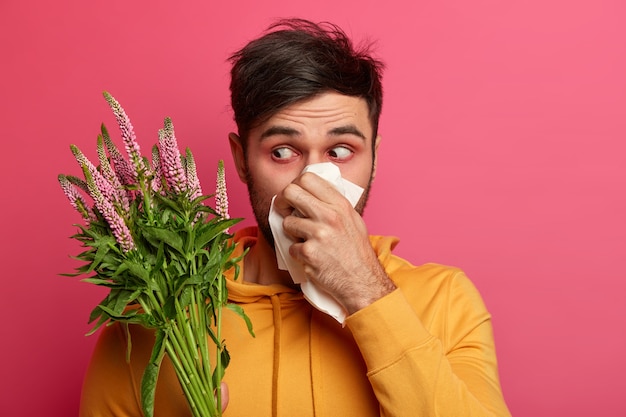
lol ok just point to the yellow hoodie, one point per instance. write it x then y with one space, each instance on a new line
424 350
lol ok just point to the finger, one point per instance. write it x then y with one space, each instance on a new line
293 199
310 197
298 227
307 196
318 187
282 205
225 395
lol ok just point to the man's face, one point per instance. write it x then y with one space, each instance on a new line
330 127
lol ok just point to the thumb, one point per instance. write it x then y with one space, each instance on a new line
225 396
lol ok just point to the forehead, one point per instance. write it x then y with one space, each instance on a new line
325 111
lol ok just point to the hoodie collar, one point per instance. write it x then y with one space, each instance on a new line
246 292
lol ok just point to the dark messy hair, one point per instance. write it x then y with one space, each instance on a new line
295 60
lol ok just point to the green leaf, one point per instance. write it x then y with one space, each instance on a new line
170 238
203 240
169 308
99 281
120 299
151 374
200 199
103 249
137 270
218 372
117 316
160 258
185 297
237 309
97 312
225 357
206 276
101 321
171 204
123 267
211 334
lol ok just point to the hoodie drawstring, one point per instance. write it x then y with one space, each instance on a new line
276 365
314 356
314 363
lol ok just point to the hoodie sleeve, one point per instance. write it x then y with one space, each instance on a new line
433 357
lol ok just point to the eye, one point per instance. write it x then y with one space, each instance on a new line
283 153
340 153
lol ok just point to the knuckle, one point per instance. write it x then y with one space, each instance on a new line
307 178
336 218
321 233
307 252
290 190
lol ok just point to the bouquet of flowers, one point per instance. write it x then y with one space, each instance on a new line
161 252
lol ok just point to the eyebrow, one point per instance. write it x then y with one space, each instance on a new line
349 129
279 130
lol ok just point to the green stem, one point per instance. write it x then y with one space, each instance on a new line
197 315
179 345
199 330
198 397
218 325
147 197
195 401
184 327
200 304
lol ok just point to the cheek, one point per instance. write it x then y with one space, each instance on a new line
358 173
270 179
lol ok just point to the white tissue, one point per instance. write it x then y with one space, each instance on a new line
319 298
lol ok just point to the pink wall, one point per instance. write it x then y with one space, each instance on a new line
503 153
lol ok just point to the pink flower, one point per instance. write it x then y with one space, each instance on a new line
76 199
128 134
123 169
157 180
221 197
105 188
193 183
107 210
171 165
121 196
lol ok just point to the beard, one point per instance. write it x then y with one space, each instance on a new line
261 202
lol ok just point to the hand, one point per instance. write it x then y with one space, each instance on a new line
334 245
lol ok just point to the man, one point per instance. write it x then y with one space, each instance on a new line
417 340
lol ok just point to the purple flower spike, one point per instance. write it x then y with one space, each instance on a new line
193 183
76 199
171 165
107 210
123 169
221 197
128 134
81 184
121 197
104 186
157 180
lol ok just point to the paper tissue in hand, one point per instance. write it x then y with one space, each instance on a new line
319 298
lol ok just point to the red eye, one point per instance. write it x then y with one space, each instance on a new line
283 153
340 153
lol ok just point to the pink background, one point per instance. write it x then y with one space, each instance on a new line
503 153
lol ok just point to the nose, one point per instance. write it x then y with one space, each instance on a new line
314 158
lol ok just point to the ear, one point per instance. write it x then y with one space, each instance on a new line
375 156
236 149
